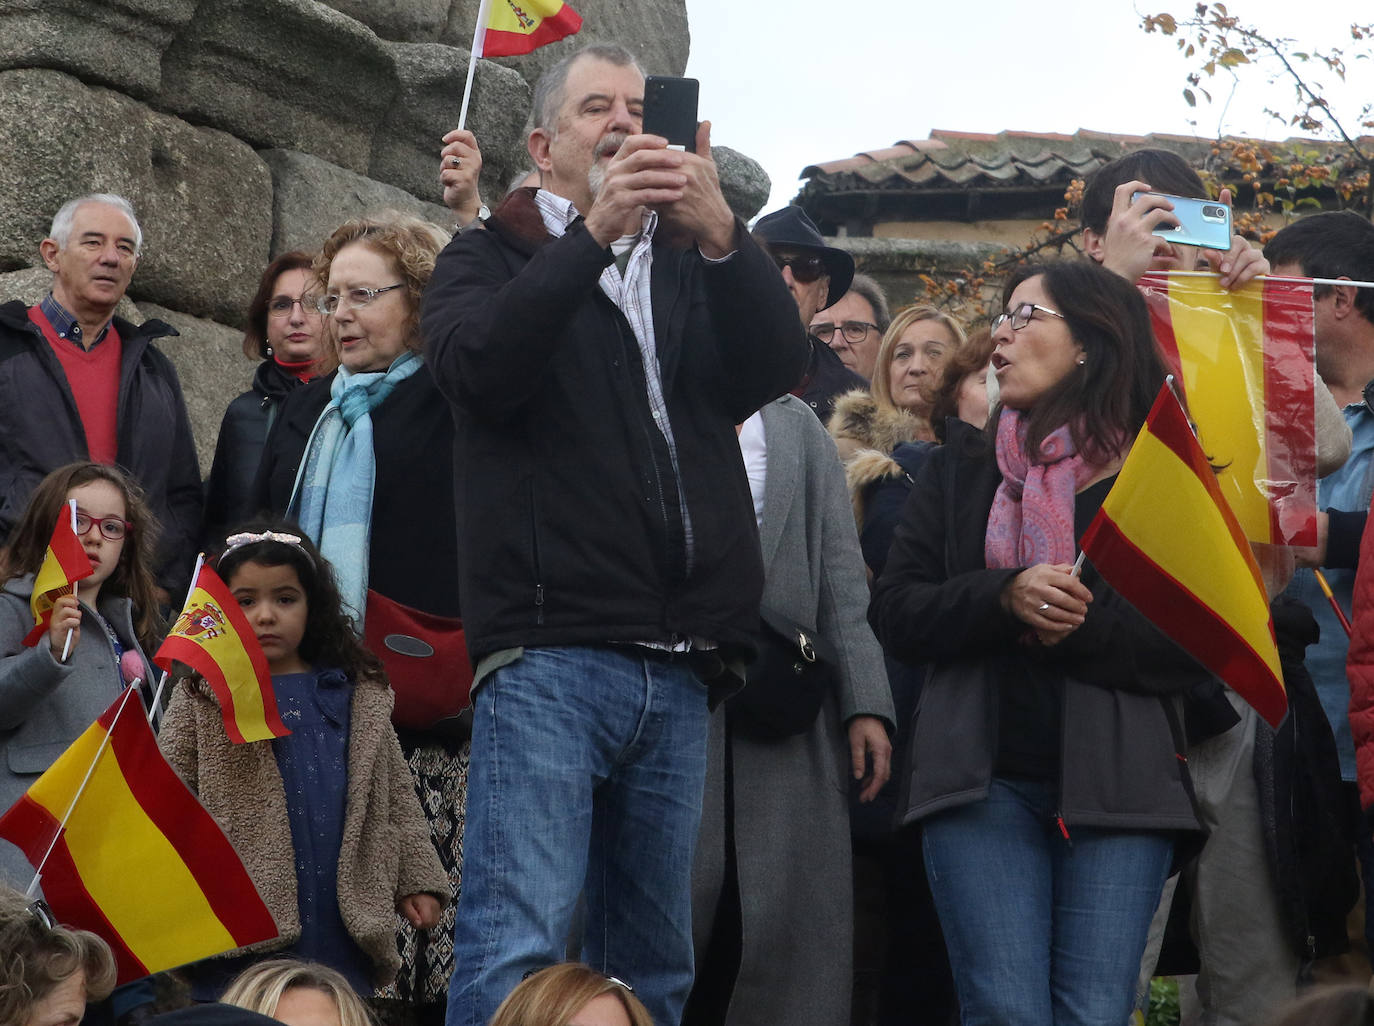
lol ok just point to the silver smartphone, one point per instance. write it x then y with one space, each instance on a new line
1201 222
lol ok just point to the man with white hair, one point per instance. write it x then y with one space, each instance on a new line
77 382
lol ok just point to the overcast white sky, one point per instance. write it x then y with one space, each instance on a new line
796 82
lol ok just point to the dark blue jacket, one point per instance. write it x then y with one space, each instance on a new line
41 430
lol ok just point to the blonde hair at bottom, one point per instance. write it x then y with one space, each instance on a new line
259 987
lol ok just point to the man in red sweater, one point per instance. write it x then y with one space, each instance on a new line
77 382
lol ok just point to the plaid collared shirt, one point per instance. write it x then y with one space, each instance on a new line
65 324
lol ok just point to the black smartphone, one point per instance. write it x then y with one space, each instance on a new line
670 110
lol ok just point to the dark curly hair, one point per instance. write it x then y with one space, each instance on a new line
132 577
329 639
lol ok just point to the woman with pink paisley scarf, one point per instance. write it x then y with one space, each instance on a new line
1047 763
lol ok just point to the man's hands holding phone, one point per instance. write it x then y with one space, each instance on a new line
683 188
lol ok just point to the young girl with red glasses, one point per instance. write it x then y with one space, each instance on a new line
47 701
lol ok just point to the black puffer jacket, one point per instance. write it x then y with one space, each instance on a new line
569 518
937 601
242 432
41 430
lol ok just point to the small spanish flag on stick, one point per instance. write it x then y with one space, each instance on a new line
64 564
124 849
510 28
1167 541
213 637
516 27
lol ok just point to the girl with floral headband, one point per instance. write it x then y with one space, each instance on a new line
325 819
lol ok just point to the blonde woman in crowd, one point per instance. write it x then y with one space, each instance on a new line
298 994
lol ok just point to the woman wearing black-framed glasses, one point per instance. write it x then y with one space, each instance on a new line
1046 769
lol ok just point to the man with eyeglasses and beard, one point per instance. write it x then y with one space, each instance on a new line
817 275
609 559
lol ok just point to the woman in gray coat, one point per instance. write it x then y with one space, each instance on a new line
772 901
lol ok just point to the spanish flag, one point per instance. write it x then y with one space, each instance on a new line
1245 362
63 563
1167 541
138 861
515 27
213 638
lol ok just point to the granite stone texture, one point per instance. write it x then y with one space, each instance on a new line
82 38
204 198
312 197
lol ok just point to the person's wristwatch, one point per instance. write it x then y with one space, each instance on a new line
477 222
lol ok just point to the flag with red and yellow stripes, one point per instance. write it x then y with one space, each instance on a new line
1167 541
1245 361
64 562
213 637
139 861
516 27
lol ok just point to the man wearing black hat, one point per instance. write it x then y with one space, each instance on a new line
817 275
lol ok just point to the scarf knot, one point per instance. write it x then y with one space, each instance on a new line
1031 520
332 498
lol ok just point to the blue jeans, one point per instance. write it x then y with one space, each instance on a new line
1041 930
587 771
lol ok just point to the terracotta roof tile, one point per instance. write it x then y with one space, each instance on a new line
950 160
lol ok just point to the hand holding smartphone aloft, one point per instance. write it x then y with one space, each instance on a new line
670 110
1201 222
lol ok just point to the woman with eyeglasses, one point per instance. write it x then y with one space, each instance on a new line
285 335
362 459
1046 766
47 972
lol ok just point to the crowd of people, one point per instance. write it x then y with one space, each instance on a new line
670 632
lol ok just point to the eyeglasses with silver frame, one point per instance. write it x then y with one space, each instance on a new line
360 296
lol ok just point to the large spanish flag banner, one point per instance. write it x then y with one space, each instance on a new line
213 637
1166 540
1245 360
139 861
515 27
64 562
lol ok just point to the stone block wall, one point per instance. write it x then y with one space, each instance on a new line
240 129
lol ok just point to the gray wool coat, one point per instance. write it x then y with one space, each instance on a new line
46 705
790 797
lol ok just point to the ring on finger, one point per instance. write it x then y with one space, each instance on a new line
455 162
1042 607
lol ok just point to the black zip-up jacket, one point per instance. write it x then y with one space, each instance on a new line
1122 748
41 430
569 523
242 433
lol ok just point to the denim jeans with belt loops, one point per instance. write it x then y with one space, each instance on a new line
1041 930
586 773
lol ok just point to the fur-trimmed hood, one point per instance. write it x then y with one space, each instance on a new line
860 423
